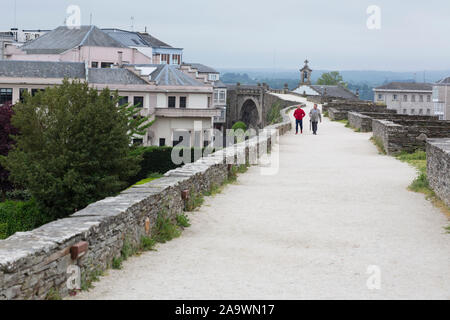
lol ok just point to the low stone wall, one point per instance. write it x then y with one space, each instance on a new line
408 135
34 263
336 115
363 121
357 106
438 167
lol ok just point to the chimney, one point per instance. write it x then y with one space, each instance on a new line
120 63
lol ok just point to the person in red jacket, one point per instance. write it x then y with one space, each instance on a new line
299 114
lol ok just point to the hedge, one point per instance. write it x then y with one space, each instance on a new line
18 216
158 160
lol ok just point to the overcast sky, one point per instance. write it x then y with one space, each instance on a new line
332 34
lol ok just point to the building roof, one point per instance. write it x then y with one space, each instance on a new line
306 89
114 76
152 41
406 86
41 69
171 75
64 38
127 38
201 67
335 91
444 81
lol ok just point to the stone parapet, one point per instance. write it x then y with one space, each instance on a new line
438 167
34 263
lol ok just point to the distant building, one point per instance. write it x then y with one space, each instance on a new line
212 76
159 52
324 92
16 37
86 44
178 103
441 99
406 97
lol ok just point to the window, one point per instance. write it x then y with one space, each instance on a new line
405 98
413 111
213 77
420 98
176 58
162 142
165 58
138 102
94 64
156 58
172 102
216 96
428 111
123 101
6 95
394 97
106 65
420 111
413 98
22 94
138 142
182 102
35 91
222 95
428 98
380 97
405 111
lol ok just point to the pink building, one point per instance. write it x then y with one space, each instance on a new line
86 44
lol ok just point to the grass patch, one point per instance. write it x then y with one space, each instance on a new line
418 160
147 244
87 281
447 229
183 221
150 178
195 201
53 294
117 263
379 144
165 230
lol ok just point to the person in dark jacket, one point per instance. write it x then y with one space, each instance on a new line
299 114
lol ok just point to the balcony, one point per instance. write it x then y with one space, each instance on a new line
186 113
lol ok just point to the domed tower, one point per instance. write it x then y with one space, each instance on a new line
305 74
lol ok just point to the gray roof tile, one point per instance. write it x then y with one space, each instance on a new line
114 76
406 86
41 69
63 38
335 91
201 67
171 75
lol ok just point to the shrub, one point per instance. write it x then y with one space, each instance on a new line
239 125
20 216
6 144
73 148
274 115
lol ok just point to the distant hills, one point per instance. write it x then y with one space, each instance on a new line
372 78
364 81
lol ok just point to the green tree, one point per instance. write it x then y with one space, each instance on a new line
74 146
331 78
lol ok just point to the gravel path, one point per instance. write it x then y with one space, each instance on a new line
335 208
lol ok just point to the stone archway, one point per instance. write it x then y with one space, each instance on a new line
249 114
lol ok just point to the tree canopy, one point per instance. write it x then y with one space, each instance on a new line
6 143
331 78
74 146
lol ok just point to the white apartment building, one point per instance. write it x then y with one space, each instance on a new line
406 97
441 98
